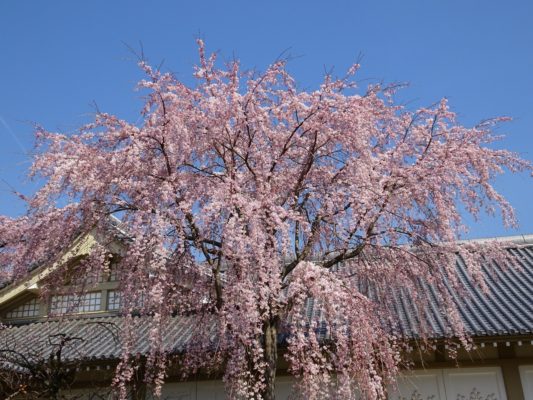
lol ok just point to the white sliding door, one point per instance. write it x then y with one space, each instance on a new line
526 376
451 384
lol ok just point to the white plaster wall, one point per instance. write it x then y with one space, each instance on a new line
421 384
433 384
451 384
475 383
214 390
526 376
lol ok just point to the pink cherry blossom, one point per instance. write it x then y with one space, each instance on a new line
244 198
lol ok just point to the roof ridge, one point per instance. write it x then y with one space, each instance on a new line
517 239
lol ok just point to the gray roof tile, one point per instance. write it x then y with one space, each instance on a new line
506 310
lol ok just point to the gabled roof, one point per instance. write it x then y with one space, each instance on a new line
80 246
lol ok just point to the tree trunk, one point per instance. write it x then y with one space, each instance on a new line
270 330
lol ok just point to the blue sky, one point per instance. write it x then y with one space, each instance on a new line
59 57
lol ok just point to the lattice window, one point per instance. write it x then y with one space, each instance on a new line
113 300
69 303
114 274
89 278
28 309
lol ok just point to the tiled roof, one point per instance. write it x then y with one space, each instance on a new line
507 310
90 338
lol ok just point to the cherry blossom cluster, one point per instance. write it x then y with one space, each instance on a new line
243 199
